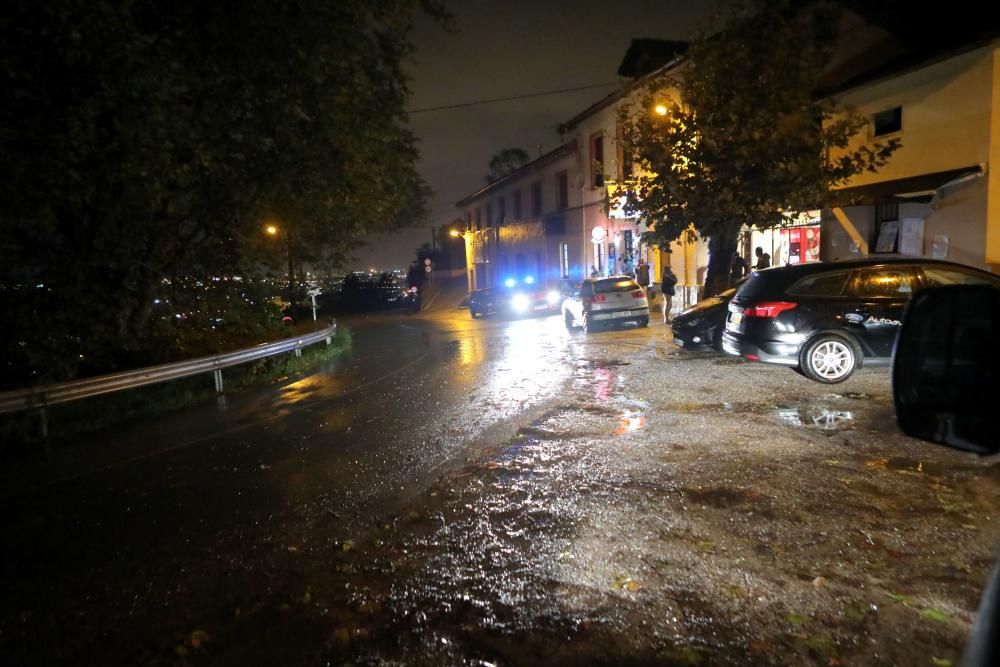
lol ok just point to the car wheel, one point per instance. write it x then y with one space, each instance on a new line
474 313
588 326
568 319
717 340
828 359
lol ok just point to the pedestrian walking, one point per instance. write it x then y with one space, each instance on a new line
668 280
594 273
620 266
642 276
737 268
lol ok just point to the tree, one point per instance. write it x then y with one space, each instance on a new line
741 134
144 140
505 162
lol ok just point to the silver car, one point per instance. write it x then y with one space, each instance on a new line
600 302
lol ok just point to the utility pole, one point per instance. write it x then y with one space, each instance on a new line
433 239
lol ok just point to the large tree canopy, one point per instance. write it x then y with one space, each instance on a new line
740 134
506 162
142 140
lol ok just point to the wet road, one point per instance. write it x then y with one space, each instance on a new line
471 492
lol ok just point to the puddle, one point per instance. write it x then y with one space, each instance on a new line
824 419
905 464
851 395
630 422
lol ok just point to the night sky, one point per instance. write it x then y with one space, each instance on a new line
505 48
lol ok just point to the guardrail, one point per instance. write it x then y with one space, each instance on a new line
46 395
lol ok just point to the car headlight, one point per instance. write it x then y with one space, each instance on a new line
520 303
552 297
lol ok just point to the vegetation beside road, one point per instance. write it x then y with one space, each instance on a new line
88 415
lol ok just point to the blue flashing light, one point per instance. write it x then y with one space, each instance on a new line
529 280
510 282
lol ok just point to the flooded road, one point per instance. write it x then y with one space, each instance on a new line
485 492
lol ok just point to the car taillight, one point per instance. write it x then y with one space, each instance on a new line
600 298
768 308
637 294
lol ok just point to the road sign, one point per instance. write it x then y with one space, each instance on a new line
427 262
427 268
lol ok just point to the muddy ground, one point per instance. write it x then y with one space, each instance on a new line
667 508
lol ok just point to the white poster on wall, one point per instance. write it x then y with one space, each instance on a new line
911 236
940 248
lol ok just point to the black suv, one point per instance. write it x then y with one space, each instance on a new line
828 319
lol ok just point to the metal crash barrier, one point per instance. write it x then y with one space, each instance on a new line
38 398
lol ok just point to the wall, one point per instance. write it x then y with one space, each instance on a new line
946 111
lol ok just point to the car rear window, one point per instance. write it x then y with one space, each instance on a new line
753 289
608 286
822 284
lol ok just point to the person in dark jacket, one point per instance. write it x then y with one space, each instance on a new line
642 276
668 281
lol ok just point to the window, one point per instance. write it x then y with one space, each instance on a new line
562 191
516 199
888 121
564 260
938 276
823 284
624 156
501 210
882 282
536 199
597 160
629 244
616 285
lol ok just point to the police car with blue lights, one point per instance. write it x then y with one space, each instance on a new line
516 298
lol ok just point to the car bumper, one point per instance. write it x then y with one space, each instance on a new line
693 339
770 352
620 315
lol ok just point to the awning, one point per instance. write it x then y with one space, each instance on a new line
914 189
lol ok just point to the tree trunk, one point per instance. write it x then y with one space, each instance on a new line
721 247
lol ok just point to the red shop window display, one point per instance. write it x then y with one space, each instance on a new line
801 244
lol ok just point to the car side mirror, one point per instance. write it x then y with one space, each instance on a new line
946 369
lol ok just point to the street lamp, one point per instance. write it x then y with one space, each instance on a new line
660 109
273 231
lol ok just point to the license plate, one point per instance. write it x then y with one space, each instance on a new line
624 313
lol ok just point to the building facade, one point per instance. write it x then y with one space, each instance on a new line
938 195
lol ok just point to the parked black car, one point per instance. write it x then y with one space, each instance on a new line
830 318
700 327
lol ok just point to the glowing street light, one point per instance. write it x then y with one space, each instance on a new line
660 109
273 230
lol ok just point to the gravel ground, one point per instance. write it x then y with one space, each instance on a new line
680 509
